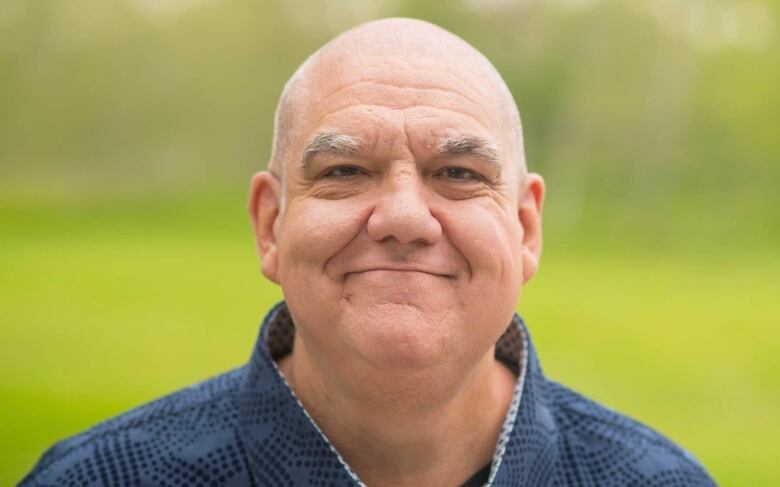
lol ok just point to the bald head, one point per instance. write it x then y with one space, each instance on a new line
391 44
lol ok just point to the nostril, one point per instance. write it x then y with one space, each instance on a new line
403 225
402 212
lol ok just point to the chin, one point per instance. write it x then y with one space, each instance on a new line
400 336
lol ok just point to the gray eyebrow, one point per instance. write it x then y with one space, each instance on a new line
330 143
469 145
348 145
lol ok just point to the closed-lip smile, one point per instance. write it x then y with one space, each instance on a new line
400 268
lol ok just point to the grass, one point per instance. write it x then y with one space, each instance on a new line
104 308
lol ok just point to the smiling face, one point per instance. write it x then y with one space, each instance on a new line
405 225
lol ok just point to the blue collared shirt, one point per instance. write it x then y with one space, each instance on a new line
247 428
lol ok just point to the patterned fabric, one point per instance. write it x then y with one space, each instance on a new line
247 428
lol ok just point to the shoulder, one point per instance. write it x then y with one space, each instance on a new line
603 447
179 433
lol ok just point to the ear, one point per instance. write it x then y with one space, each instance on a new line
529 211
264 209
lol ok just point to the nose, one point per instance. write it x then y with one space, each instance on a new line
402 213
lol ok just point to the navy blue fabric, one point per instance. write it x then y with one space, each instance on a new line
246 428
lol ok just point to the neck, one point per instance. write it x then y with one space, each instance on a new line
425 427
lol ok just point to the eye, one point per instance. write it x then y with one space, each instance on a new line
460 174
342 172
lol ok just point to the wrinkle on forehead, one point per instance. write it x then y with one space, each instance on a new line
432 95
418 121
337 112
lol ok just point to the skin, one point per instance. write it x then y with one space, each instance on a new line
401 266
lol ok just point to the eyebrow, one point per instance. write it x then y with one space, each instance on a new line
347 145
469 145
330 143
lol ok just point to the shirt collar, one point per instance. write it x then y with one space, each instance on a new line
284 445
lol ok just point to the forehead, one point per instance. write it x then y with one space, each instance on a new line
387 101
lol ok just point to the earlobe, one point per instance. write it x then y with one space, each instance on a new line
530 214
264 210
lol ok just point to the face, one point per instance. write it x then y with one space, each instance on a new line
395 245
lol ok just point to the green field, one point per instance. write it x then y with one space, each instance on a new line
104 308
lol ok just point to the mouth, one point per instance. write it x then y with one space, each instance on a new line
391 270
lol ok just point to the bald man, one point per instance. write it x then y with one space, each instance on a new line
401 223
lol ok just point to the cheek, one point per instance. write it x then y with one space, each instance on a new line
314 231
491 242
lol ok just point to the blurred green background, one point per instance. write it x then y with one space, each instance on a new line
129 131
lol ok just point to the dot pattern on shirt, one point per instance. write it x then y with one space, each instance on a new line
247 428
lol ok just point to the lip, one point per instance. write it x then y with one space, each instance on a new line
416 269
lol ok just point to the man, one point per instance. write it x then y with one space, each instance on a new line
401 223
